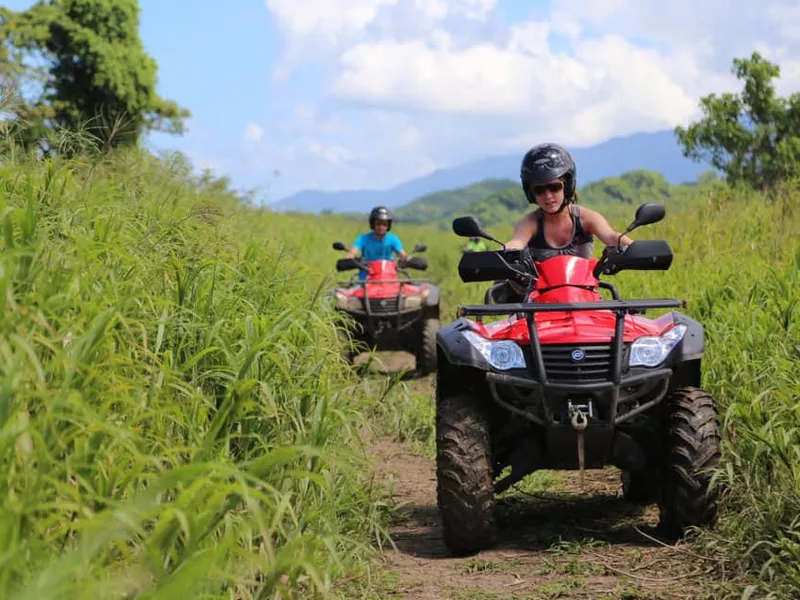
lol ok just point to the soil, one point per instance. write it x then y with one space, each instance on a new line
556 539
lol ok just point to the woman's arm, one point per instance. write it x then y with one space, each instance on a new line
524 230
596 224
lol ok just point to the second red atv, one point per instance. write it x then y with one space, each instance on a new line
389 310
569 380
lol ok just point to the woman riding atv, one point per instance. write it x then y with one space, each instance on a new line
558 226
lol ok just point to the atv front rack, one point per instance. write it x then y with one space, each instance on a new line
354 281
400 313
618 306
538 380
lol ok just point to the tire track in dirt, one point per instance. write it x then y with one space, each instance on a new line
567 544
561 542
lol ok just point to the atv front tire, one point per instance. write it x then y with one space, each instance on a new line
692 448
426 351
641 487
465 486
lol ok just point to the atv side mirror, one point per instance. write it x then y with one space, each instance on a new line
469 227
420 248
339 246
649 213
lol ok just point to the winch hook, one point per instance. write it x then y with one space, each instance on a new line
580 422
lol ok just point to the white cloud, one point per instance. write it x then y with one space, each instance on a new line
786 17
326 19
531 38
608 87
607 83
472 9
409 137
332 153
253 133
419 84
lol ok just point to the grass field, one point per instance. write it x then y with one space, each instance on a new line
175 420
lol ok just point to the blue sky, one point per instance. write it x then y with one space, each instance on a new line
346 94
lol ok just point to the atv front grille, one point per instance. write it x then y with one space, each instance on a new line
382 305
568 362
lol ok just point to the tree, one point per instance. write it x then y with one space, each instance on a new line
96 75
752 137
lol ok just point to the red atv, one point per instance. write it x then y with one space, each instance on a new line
569 380
389 310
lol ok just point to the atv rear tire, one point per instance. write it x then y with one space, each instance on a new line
692 451
465 486
426 351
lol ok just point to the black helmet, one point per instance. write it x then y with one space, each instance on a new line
546 162
380 213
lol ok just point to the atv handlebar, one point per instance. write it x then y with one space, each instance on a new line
493 265
413 262
641 255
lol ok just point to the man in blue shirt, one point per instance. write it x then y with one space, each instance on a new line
378 244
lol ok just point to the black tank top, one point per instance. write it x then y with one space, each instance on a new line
581 244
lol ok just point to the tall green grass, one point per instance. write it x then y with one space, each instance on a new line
175 420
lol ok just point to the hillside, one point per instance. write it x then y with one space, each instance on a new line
507 202
658 151
434 206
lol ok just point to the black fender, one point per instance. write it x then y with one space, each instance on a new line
692 346
456 349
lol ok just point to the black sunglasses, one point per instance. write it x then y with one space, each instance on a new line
555 186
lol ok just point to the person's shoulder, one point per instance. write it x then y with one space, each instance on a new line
530 217
394 238
592 217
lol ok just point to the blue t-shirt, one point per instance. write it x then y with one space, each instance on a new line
375 249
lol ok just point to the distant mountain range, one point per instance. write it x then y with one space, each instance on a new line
659 152
497 204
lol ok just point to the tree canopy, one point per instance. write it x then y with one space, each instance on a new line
753 137
79 65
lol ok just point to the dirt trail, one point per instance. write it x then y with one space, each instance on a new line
560 543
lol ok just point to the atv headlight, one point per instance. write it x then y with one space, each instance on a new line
502 354
415 301
346 302
651 351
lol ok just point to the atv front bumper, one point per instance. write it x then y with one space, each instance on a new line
616 396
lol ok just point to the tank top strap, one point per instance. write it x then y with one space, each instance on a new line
581 236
